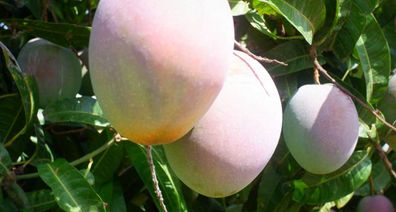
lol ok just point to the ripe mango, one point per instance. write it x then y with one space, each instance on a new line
320 127
56 69
236 138
157 66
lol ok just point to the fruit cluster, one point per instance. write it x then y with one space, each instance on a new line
166 73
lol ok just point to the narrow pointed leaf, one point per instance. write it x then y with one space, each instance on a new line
374 55
12 119
41 200
171 192
319 189
306 16
82 110
5 162
71 190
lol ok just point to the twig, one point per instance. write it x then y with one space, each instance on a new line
372 188
157 189
388 164
256 57
364 104
316 71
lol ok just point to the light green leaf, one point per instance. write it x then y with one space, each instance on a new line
319 189
82 110
306 16
171 192
72 192
374 55
239 7
381 180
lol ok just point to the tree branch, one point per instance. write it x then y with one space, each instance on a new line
157 189
256 57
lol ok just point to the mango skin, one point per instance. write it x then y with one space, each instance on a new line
320 127
157 66
236 138
56 69
376 203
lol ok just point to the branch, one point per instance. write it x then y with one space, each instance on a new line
256 57
157 189
364 104
385 159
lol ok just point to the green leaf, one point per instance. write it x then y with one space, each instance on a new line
41 200
349 34
366 6
374 54
294 53
390 34
26 86
381 180
72 192
306 16
319 189
239 7
12 119
5 163
81 110
63 34
173 197
258 22
112 194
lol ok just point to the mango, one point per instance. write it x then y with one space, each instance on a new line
157 66
56 69
236 138
375 203
320 127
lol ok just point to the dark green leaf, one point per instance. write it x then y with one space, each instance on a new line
12 119
349 34
5 162
173 197
390 34
82 110
26 86
319 189
366 6
72 192
294 53
106 164
374 54
41 200
63 34
381 180
306 16
111 193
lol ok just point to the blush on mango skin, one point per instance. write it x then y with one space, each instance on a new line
157 66
321 127
236 138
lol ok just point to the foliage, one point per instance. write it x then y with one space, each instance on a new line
64 157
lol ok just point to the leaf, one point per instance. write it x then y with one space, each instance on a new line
319 189
381 180
63 34
81 110
366 6
5 163
390 34
112 194
258 22
173 197
239 7
294 53
41 200
72 192
306 16
349 34
26 86
374 54
12 119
